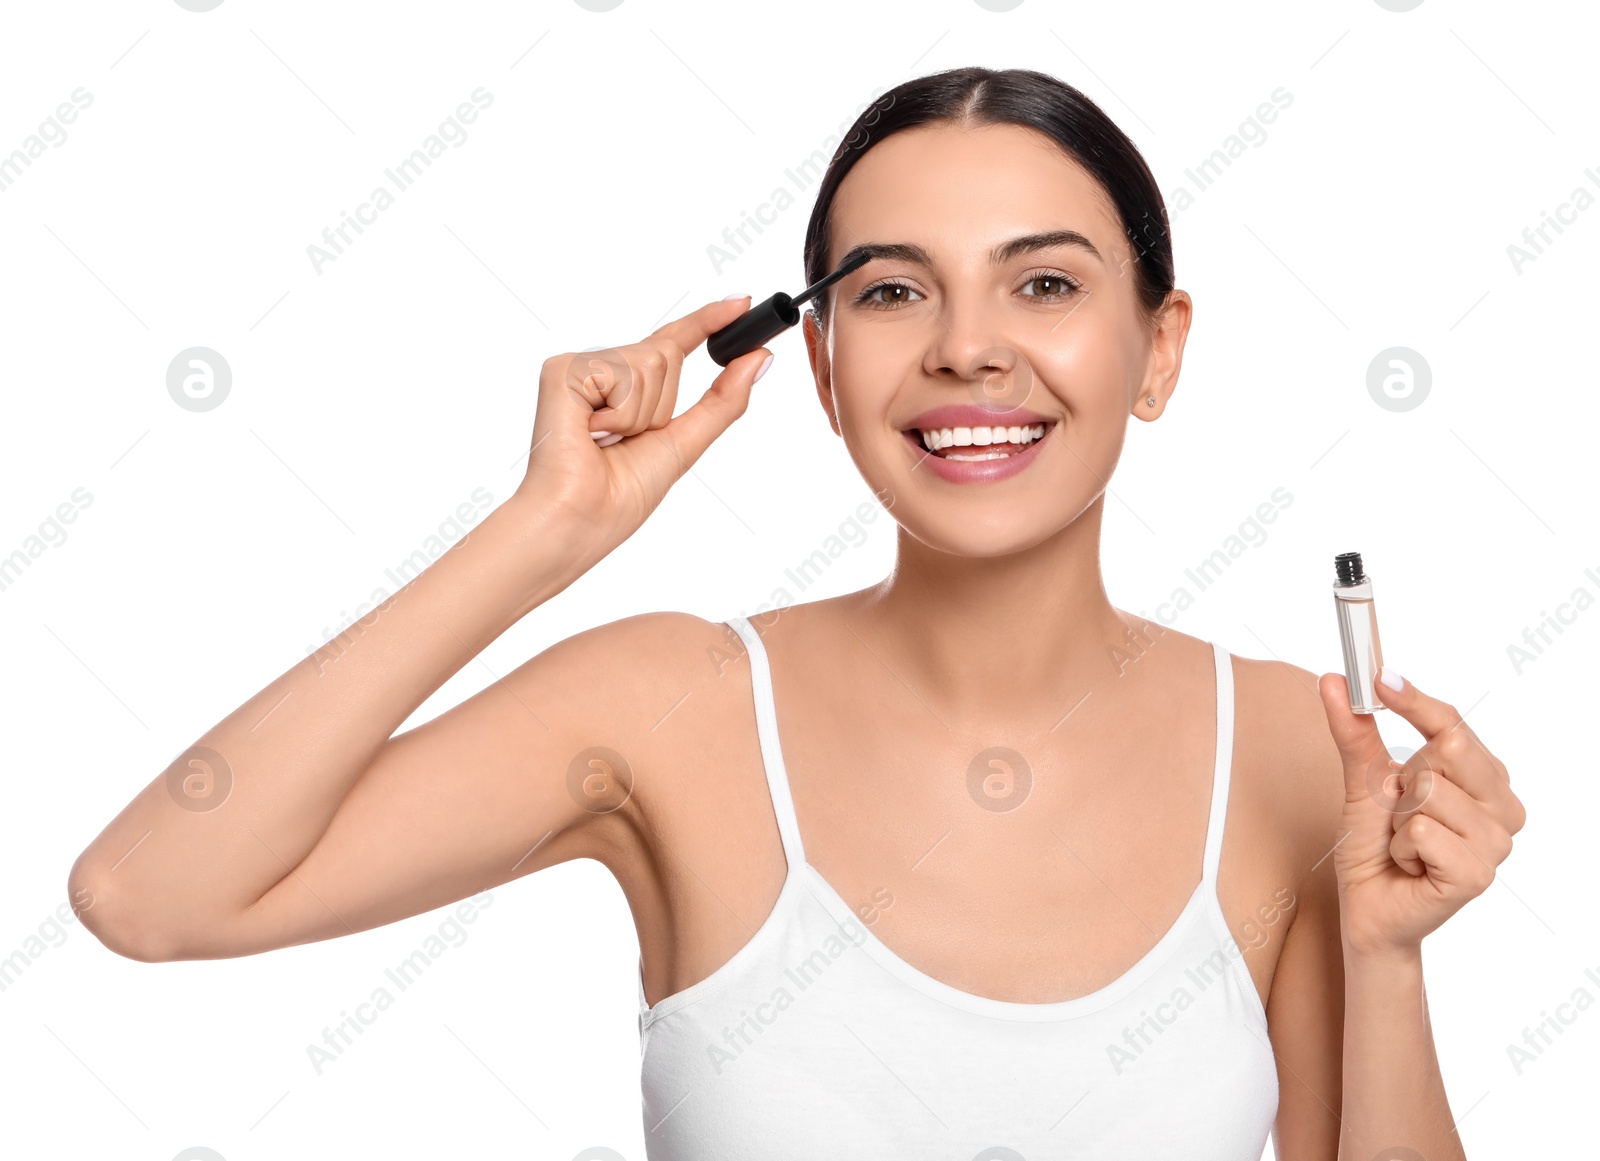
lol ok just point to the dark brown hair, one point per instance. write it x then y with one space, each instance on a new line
1035 100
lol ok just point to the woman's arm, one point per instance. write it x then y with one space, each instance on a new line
1306 1005
1353 1045
1418 840
1304 795
298 817
215 856
1394 1097
1388 852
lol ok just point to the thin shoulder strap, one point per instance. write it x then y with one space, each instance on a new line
1223 770
771 750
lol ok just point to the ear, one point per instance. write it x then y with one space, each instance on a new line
1167 339
821 370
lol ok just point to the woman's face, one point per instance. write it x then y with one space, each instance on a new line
941 335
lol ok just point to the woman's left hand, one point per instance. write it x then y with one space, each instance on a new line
1421 837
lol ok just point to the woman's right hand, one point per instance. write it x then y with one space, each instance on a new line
612 483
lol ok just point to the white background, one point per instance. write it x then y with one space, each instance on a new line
372 398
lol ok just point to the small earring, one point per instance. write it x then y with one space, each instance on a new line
1151 401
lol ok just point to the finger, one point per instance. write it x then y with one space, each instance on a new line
660 387
656 410
1459 756
1403 850
1441 855
573 385
677 446
628 409
1356 735
1429 715
594 381
1442 800
666 401
695 327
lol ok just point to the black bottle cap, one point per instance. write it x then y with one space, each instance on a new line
1348 566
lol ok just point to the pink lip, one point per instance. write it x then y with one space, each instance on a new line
972 415
974 471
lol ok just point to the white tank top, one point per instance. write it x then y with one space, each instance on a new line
816 1040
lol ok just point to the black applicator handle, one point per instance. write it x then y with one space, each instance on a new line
752 329
770 318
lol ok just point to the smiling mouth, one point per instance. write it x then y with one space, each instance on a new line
977 443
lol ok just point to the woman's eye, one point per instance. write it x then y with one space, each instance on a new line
1058 285
890 294
899 291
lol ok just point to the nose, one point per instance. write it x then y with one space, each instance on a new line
969 347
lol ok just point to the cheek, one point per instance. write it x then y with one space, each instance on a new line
1085 370
865 378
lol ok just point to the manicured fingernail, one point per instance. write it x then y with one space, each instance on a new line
599 434
1392 679
609 439
731 297
767 362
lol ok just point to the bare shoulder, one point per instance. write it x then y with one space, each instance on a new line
1291 762
670 684
647 669
621 695
688 832
1298 787
640 668
646 646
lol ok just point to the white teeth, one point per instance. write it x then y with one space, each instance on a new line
935 438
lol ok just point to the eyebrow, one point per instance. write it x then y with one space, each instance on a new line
1005 252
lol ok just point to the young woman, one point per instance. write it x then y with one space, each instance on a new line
967 863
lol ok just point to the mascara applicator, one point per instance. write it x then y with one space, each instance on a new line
767 319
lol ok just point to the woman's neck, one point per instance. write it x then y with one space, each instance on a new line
997 630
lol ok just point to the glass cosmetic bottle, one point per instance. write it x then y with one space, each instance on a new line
1358 632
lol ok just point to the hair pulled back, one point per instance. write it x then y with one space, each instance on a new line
1035 100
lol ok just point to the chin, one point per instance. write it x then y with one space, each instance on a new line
980 536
